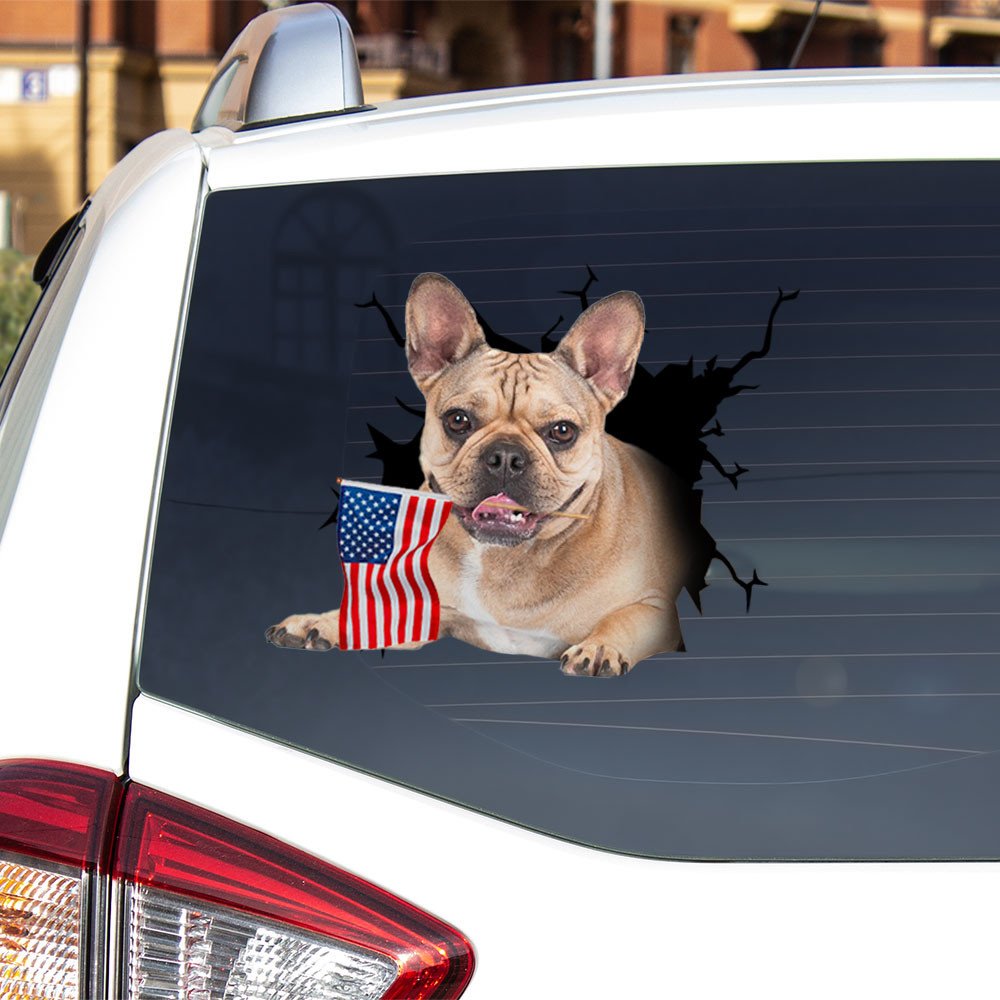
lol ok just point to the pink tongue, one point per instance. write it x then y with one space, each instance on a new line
495 505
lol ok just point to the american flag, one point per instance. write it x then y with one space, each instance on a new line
385 536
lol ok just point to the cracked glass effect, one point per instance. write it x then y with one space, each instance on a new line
180 949
671 414
39 933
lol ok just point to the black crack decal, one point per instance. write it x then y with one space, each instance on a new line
671 414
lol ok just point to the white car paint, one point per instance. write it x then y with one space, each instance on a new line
547 918
553 919
71 554
733 118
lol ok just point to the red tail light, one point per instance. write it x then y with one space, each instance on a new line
212 908
61 812
55 821
172 846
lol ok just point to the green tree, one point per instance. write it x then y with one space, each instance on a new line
18 294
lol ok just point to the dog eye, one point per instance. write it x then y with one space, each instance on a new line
457 422
563 432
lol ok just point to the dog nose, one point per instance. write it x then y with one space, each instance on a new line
506 458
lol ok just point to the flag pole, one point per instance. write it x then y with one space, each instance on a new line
507 506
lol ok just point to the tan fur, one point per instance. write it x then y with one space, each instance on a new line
604 588
600 593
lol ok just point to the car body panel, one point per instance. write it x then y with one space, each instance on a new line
768 118
72 551
553 919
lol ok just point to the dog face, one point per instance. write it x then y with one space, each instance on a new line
512 438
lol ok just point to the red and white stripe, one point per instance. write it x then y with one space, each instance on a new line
387 604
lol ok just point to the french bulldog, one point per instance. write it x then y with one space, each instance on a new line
563 541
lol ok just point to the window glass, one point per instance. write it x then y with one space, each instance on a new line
831 527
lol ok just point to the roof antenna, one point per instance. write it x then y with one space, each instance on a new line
805 35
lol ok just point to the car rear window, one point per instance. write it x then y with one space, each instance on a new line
834 497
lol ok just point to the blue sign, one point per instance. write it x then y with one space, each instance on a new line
34 85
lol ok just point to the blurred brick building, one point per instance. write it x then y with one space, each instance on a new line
148 61
147 65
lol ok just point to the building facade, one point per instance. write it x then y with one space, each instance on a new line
83 81
147 64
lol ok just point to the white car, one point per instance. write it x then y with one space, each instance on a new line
190 810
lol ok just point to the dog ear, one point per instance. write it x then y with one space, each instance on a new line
441 326
603 344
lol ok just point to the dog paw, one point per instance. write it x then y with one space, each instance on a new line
594 660
319 632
